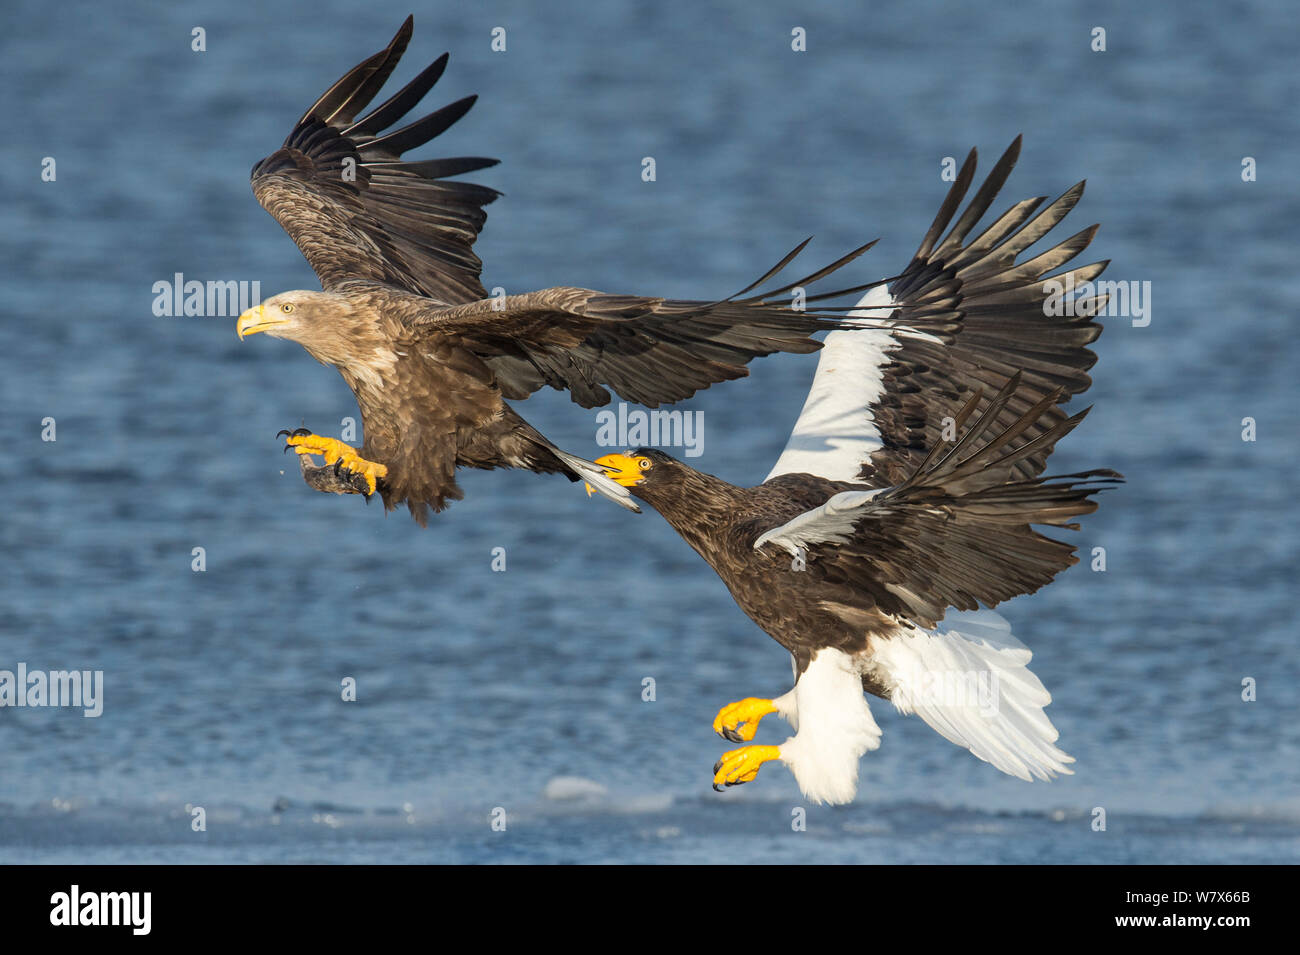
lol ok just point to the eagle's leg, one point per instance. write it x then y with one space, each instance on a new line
738 721
336 452
742 765
332 479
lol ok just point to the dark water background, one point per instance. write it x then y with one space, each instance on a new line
522 690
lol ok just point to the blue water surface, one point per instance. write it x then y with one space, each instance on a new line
518 695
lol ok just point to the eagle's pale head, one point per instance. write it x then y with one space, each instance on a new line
327 324
293 315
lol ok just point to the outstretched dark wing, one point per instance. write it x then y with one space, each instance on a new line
957 531
648 350
879 399
341 191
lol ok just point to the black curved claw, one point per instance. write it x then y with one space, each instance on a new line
729 733
295 433
717 788
717 766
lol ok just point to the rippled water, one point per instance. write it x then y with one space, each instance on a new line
522 690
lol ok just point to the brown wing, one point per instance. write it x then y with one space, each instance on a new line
958 531
1003 329
339 188
648 350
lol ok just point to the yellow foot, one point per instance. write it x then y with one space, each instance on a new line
335 452
738 722
742 765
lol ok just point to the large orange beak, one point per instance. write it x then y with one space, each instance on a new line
621 469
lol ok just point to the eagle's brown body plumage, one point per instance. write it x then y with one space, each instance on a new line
430 356
907 503
428 403
839 593
721 521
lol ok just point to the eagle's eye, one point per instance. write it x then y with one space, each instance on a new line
643 463
287 307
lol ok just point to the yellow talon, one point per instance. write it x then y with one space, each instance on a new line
335 451
738 722
742 765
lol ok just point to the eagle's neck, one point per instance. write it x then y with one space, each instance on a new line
363 354
368 375
699 506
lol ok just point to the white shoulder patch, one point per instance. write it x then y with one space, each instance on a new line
835 433
969 679
833 522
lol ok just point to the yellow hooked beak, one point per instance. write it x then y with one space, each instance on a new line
621 469
256 320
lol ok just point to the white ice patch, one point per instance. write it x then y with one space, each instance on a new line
573 789
835 432
969 679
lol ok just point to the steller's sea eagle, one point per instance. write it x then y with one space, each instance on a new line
903 507
430 357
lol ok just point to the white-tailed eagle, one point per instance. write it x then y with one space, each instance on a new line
431 358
